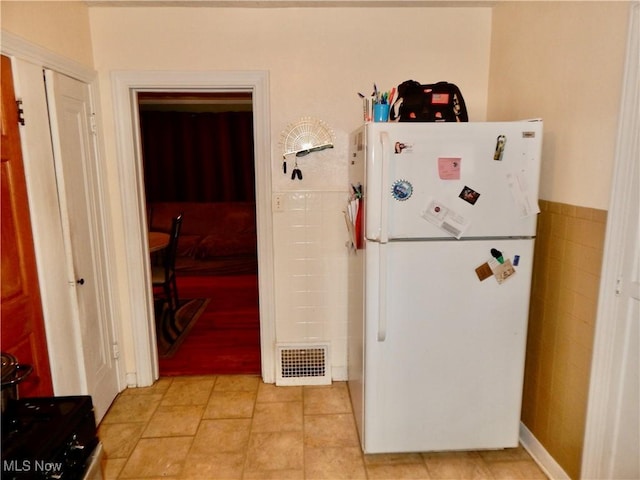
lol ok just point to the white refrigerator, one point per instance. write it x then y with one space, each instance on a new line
442 219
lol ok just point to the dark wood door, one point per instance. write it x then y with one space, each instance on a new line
22 333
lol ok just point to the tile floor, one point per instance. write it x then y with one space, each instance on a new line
236 427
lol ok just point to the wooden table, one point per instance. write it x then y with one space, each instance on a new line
158 241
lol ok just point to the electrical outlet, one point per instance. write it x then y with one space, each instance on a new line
278 202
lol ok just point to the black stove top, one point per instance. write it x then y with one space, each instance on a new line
47 437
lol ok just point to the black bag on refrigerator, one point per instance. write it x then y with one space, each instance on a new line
437 102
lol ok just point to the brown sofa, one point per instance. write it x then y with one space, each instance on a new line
215 239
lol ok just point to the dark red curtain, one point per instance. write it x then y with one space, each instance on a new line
198 157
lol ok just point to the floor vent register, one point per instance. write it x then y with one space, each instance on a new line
303 364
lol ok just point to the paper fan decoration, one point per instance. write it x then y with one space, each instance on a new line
305 136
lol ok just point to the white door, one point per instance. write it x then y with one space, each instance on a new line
625 461
75 158
612 438
615 390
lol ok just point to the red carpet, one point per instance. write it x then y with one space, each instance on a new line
226 338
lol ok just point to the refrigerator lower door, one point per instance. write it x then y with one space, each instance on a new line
448 373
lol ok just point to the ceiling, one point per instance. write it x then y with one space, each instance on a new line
291 3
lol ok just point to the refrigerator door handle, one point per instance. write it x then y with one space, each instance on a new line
384 238
382 292
384 201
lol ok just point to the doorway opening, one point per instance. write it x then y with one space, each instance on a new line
140 332
198 161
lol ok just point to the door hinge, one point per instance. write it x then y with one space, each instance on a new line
115 350
618 286
20 112
92 123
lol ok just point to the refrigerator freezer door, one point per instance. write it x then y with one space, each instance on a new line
448 374
444 180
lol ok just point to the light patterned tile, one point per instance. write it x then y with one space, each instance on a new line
277 417
222 436
402 471
275 451
334 464
174 420
157 457
233 404
132 408
396 466
111 467
457 466
516 470
237 383
213 466
249 430
268 392
119 439
189 391
327 399
274 475
337 430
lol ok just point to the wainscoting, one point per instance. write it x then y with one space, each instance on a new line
566 278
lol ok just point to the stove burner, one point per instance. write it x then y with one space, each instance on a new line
47 437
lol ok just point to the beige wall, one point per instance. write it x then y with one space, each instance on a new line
59 26
563 61
317 60
570 74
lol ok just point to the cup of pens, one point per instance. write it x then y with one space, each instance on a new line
380 112
376 107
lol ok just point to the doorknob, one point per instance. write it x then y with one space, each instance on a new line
80 281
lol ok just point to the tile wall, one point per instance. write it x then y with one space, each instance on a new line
566 278
311 272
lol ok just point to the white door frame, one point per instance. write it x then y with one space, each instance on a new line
605 388
125 85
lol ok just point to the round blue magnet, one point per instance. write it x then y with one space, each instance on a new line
402 190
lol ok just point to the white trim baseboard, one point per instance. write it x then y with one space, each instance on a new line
545 461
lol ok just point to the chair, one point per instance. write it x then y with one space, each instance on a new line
163 275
